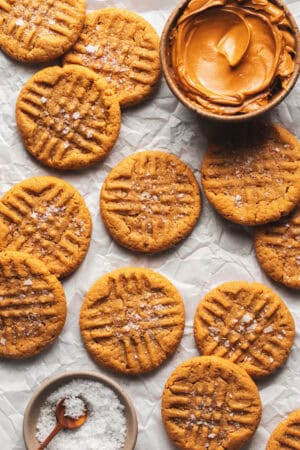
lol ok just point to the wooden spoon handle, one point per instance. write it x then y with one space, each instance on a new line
51 436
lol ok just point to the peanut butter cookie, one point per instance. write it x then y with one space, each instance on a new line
209 403
253 176
150 201
277 247
39 30
131 320
246 323
68 117
286 434
48 218
124 48
32 305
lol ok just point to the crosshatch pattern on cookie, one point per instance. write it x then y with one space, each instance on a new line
132 320
246 323
286 435
277 248
124 48
39 30
150 201
67 117
210 403
46 217
253 178
32 305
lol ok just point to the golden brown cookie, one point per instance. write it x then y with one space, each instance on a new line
277 247
209 403
68 117
286 435
131 320
150 201
246 323
48 218
39 30
32 305
253 176
124 48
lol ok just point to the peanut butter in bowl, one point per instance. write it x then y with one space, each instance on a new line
231 57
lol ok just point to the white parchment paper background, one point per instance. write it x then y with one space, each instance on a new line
215 252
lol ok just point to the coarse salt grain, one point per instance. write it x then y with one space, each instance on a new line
20 22
2 341
246 318
105 426
92 48
76 115
268 329
43 100
28 282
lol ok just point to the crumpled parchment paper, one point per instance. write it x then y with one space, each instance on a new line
216 251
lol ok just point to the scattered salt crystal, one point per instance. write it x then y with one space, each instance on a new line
52 22
28 282
66 144
43 99
145 195
92 48
105 422
211 435
252 327
20 22
298 260
246 318
238 199
89 134
2 341
271 359
280 337
66 130
76 115
276 149
227 343
74 407
34 215
269 329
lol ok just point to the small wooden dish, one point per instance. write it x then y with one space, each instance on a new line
51 384
167 70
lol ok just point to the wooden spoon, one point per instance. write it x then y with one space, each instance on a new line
63 423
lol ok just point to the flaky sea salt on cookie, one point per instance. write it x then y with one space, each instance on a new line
123 48
277 247
150 201
246 323
32 306
252 175
132 320
209 403
39 30
68 117
48 218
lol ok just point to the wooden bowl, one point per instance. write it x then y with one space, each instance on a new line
52 384
167 70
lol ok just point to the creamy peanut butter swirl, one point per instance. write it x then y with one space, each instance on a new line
232 56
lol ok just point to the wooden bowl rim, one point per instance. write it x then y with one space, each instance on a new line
233 118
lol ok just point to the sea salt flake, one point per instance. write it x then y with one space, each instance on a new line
20 22
66 144
34 215
2 341
211 435
52 22
89 134
145 195
27 282
227 343
298 260
76 115
92 48
271 359
269 329
246 318
238 200
43 99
